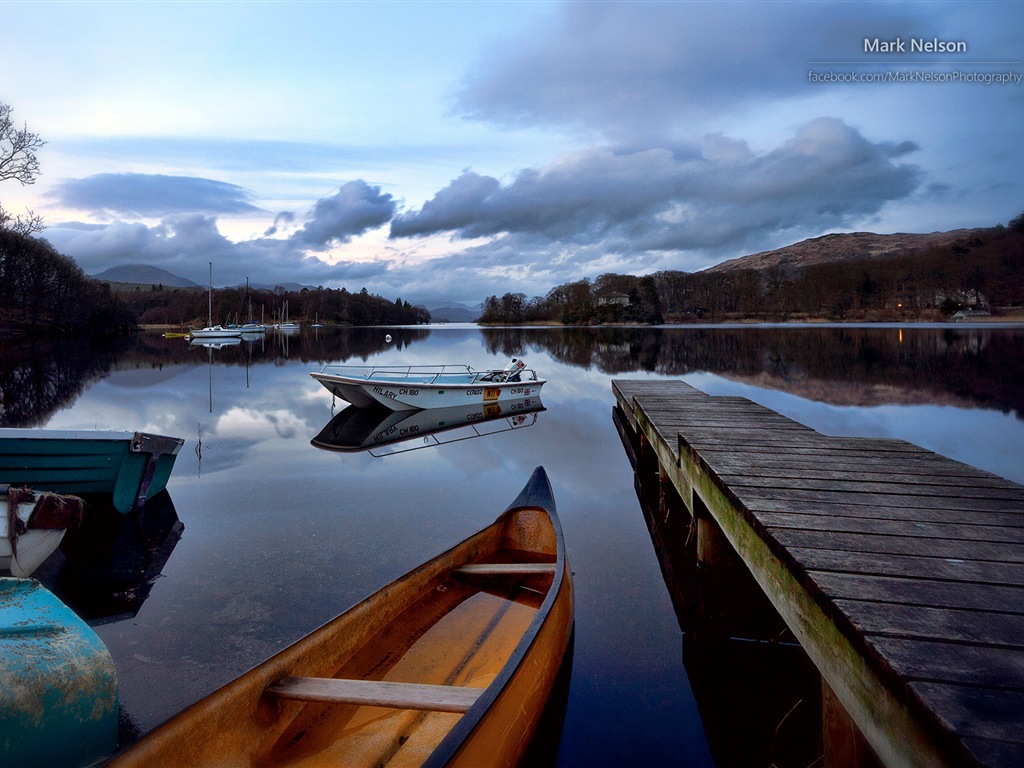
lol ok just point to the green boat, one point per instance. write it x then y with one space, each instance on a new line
129 467
58 683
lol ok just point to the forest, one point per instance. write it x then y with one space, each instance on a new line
986 272
180 307
43 292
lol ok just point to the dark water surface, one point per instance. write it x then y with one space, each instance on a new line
279 536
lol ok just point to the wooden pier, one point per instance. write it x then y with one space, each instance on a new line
900 572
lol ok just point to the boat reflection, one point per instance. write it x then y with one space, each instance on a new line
216 343
105 568
382 432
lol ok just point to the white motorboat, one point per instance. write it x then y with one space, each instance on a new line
412 387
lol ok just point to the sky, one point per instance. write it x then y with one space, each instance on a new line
441 152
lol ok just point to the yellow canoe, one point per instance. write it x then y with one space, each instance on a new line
450 665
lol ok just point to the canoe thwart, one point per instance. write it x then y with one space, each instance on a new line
376 693
506 569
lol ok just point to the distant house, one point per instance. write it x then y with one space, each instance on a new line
969 314
613 298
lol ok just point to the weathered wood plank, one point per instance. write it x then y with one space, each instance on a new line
998 668
927 622
977 713
376 693
861 470
789 512
863 541
879 525
936 594
900 486
868 463
999 751
826 497
911 566
506 569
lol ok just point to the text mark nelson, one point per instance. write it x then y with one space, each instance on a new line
917 45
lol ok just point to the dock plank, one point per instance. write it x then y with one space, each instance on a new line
911 566
932 623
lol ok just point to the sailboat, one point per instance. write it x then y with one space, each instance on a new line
286 326
212 331
251 328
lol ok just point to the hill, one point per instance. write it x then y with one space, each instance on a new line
853 246
459 313
144 274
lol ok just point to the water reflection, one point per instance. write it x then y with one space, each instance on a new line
383 432
107 566
842 365
281 536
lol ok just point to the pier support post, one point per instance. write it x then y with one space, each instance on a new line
843 744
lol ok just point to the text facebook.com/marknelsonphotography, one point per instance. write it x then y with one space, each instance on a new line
915 76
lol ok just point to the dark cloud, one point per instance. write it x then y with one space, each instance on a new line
184 245
151 195
283 219
709 196
356 208
625 69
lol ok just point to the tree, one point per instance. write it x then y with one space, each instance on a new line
18 162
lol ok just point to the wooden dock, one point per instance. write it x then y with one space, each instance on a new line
900 572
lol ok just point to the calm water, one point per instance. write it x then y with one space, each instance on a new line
279 536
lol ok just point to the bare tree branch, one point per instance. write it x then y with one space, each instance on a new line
18 162
18 159
25 225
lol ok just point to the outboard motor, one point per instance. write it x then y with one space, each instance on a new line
513 369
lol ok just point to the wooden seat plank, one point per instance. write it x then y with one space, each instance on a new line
506 569
376 693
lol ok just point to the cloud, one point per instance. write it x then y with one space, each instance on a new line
356 208
628 70
150 195
708 195
185 243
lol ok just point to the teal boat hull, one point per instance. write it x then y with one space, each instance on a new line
128 466
58 684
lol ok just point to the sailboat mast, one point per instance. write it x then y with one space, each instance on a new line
209 303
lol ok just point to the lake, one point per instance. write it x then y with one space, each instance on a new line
276 536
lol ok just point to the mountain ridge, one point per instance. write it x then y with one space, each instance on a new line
844 246
144 274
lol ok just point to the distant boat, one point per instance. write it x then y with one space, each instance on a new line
408 387
215 332
251 328
285 325
58 684
32 527
212 331
450 665
127 466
